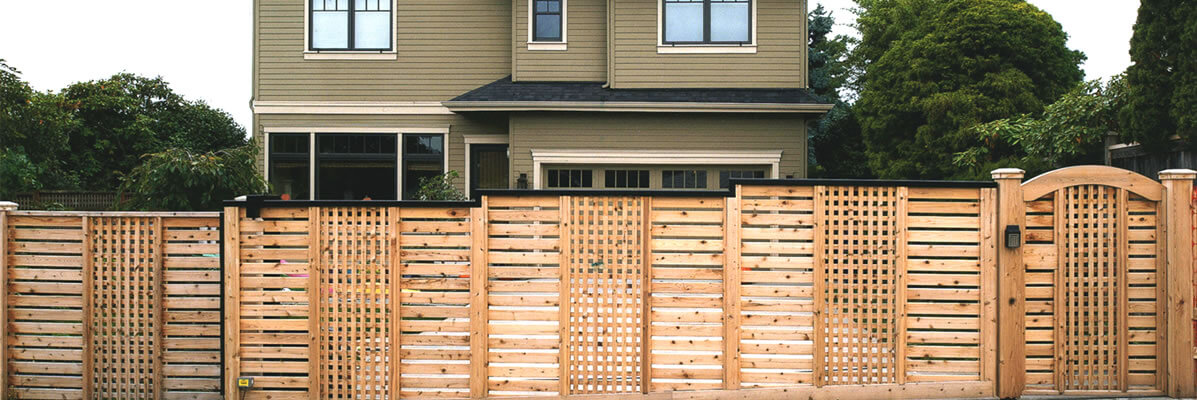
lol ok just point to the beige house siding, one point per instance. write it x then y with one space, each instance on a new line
652 131
585 57
445 48
778 63
458 127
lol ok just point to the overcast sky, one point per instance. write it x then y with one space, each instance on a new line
203 48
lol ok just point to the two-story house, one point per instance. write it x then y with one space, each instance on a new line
363 98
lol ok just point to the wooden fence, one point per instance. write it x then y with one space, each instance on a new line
110 305
821 289
1078 282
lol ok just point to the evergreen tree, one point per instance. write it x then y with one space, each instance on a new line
1163 77
834 145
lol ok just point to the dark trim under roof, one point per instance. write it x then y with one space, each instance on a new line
505 95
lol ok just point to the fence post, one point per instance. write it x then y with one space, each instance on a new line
1011 211
731 292
479 334
1178 185
5 208
232 301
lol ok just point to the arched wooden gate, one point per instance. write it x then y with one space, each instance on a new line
1094 262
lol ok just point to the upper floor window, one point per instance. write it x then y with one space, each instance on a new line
351 25
707 21
547 20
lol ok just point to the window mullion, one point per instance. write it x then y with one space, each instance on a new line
350 32
706 21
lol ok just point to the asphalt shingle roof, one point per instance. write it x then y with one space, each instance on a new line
504 90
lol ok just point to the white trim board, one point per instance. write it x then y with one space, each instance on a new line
353 108
653 157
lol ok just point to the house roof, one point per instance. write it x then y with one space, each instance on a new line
505 95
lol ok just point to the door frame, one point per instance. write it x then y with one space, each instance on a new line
483 140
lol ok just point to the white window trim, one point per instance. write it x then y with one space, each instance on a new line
398 132
663 48
549 46
481 139
772 158
309 54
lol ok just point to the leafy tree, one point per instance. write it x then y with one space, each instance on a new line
835 146
179 179
127 116
1068 132
34 132
1163 76
931 68
440 187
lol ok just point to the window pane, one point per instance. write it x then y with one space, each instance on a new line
729 22
570 178
416 172
356 180
683 22
330 30
548 27
424 144
373 30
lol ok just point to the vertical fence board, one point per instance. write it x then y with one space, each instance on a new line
232 300
1011 287
4 252
479 335
731 294
1179 189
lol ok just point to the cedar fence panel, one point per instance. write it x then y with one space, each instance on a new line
111 305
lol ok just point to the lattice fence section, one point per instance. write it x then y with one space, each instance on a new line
686 306
125 302
605 275
523 295
356 303
435 284
945 284
860 248
1091 327
112 305
777 286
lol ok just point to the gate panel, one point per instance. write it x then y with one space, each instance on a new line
1092 264
606 287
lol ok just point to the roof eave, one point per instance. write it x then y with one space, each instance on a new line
601 106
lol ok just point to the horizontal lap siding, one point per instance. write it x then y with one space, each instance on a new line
584 60
665 132
446 48
778 63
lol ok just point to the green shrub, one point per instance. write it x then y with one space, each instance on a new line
441 188
179 180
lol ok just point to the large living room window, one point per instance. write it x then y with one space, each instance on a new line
289 166
706 22
351 25
355 166
423 158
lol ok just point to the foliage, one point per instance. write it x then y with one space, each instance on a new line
127 116
835 148
17 174
34 128
179 179
1070 131
1162 99
440 187
929 69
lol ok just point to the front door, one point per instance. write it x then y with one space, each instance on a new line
488 166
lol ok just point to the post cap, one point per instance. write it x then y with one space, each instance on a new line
1008 173
8 206
1174 174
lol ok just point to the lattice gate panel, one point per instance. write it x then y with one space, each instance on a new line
125 300
859 277
605 277
1091 326
356 303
